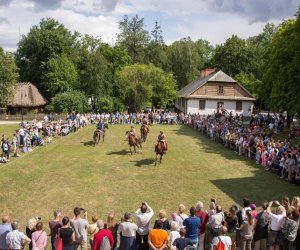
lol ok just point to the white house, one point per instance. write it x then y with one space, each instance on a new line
214 92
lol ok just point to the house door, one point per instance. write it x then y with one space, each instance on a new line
220 107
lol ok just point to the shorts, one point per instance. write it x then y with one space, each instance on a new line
274 238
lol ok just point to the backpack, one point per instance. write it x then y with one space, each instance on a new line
220 245
105 244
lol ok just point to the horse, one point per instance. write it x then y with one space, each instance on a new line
99 133
144 133
97 136
134 142
159 150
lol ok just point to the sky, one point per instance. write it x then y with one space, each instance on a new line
212 20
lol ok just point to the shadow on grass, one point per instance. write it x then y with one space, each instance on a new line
121 152
88 143
144 162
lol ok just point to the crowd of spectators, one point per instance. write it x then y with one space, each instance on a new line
37 133
242 228
256 140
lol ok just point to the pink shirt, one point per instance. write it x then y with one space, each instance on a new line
39 240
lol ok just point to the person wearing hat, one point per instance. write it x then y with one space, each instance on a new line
127 229
133 132
99 236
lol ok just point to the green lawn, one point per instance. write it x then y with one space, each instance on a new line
71 172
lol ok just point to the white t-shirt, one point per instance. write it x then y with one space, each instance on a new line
128 229
180 219
143 220
225 239
277 221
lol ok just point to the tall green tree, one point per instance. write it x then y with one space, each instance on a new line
59 75
8 76
233 57
282 72
156 52
44 41
187 58
133 37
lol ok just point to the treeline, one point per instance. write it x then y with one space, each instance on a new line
140 69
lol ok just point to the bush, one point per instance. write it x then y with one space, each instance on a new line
69 101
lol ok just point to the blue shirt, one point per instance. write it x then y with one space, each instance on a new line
191 225
4 230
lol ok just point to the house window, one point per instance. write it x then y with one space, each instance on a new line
201 104
220 89
238 106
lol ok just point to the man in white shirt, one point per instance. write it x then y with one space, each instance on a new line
226 240
143 216
16 240
276 225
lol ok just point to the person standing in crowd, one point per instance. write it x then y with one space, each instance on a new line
192 225
226 240
100 235
181 243
231 223
128 229
30 229
277 220
162 217
158 237
181 215
289 230
16 240
67 234
173 235
54 225
215 221
39 237
261 225
5 228
113 227
143 221
246 231
80 227
203 216
93 229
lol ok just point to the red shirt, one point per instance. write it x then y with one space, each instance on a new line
203 218
99 236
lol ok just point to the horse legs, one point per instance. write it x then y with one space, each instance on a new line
160 158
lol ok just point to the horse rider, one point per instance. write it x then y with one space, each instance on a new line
101 125
145 124
132 132
162 138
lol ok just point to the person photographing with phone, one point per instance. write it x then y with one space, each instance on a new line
80 227
143 216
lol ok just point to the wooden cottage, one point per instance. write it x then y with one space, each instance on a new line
214 92
26 98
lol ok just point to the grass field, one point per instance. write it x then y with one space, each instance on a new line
71 172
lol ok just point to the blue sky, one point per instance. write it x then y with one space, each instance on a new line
213 20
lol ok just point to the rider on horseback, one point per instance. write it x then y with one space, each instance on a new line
162 138
101 125
133 133
145 124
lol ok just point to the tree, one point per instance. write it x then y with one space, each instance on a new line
59 75
282 72
187 58
8 76
146 83
69 101
133 37
233 56
44 41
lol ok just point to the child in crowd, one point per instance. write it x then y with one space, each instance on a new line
182 242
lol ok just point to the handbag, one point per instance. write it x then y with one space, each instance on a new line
58 241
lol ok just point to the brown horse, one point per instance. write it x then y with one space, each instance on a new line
134 142
97 135
144 133
159 150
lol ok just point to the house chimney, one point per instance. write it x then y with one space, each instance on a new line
206 72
